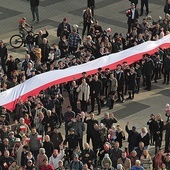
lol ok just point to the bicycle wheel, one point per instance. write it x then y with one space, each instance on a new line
16 41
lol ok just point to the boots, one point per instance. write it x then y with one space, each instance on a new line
123 100
111 104
133 93
129 95
118 95
102 103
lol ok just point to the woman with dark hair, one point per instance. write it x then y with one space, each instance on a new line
87 16
63 46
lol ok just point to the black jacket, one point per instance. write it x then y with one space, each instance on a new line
48 122
148 67
167 131
90 3
45 35
119 75
166 64
3 53
8 161
167 8
96 86
49 147
96 139
145 139
133 137
90 125
129 15
108 122
72 140
115 154
34 3
45 49
152 125
60 28
56 139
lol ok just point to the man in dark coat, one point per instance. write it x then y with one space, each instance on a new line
63 25
120 76
6 160
115 154
3 55
132 15
79 128
48 146
90 126
152 128
167 7
166 65
140 149
87 155
56 138
146 3
11 66
131 78
48 121
133 137
72 140
107 121
91 5
39 38
167 136
73 95
45 50
34 9
148 68
68 116
96 87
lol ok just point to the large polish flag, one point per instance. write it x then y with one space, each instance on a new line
34 85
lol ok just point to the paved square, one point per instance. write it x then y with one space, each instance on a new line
45 3
7 13
130 109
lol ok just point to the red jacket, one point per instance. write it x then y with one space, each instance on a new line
48 167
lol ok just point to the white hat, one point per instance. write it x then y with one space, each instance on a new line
106 155
119 167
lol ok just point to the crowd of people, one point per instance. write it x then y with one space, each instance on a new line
34 140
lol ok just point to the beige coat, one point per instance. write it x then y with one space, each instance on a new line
83 88
112 84
126 165
19 152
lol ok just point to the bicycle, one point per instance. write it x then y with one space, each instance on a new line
17 40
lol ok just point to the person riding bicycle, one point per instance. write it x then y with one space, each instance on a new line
22 27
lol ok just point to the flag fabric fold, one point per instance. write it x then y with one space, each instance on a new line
34 85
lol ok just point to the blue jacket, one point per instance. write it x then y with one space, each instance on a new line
135 168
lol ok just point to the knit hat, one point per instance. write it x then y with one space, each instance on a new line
106 155
119 167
